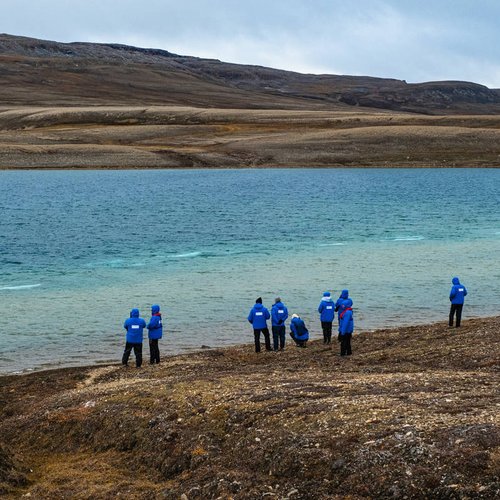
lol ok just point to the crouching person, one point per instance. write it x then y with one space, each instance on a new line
155 333
135 327
346 327
298 331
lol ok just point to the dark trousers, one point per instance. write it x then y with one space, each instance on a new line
298 343
345 344
267 338
154 351
279 333
456 309
137 351
327 331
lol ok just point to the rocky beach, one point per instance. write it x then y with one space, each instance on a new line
414 413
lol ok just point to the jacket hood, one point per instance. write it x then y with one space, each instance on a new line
278 304
455 281
258 306
134 313
344 294
155 308
347 303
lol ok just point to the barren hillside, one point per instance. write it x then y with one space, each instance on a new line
46 73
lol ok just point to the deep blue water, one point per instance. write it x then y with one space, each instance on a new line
78 250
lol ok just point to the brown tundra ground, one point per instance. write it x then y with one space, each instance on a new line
414 413
188 137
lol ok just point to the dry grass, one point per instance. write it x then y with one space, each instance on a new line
413 413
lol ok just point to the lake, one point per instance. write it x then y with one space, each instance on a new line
79 249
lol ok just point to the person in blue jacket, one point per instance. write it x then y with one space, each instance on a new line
457 295
258 318
298 331
326 309
344 295
279 314
135 327
346 322
155 332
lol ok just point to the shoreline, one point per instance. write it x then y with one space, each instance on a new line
205 348
266 167
240 346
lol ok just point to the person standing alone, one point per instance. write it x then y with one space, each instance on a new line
457 295
258 318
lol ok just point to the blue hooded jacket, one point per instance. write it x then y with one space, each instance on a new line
299 330
457 292
258 316
326 308
344 295
155 325
346 318
279 314
134 326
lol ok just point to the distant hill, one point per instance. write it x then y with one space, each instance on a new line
45 73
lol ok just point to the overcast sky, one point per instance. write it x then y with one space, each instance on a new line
414 40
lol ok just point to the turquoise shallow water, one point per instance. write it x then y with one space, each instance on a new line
78 250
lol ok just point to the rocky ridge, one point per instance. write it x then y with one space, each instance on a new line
39 72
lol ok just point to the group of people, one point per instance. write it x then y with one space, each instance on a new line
327 308
259 315
135 329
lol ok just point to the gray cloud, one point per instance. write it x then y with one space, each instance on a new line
407 39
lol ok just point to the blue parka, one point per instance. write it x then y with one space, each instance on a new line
155 325
279 314
457 292
258 316
299 330
344 295
346 318
326 308
134 326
